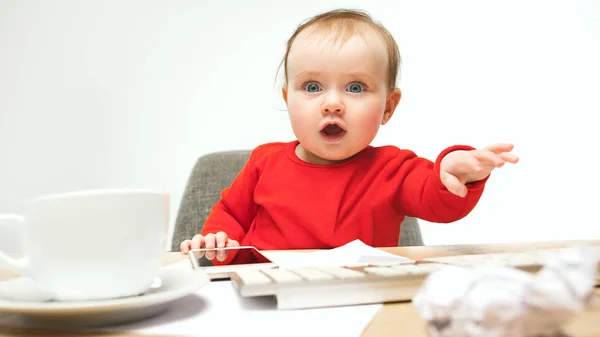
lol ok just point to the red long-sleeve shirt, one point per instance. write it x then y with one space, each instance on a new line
279 201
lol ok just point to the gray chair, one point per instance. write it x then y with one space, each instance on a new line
213 173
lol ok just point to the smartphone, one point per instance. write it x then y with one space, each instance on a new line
220 263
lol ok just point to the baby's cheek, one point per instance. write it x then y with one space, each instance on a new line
371 122
301 117
298 121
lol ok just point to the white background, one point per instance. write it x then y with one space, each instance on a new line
120 94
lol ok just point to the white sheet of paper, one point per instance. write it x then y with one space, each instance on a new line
350 253
218 310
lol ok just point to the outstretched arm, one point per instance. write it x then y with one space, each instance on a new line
449 188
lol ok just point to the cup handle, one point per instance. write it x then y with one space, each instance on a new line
19 266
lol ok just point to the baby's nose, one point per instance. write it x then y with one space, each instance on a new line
333 106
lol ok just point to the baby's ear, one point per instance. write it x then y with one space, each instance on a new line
390 105
386 117
284 92
392 100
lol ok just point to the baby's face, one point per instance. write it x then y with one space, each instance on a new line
337 94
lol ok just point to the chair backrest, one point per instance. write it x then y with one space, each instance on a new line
214 172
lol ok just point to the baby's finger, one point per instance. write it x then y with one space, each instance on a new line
185 246
232 243
209 241
210 254
489 158
222 255
500 147
221 238
509 157
197 241
453 184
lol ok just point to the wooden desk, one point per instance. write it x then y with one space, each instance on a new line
397 318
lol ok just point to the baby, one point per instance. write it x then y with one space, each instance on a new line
330 186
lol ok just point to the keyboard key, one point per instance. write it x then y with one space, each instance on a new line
385 271
282 275
312 274
421 269
253 277
342 273
386 264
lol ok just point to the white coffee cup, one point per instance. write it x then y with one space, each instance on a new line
92 245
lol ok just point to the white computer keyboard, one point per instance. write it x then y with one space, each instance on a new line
531 260
311 287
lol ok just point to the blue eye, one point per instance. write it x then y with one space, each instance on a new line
312 87
355 88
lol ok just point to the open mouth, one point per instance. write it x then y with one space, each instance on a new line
332 132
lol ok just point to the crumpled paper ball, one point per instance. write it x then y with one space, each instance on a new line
496 301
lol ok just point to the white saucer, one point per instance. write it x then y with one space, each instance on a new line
173 284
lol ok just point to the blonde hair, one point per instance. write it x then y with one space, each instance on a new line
347 23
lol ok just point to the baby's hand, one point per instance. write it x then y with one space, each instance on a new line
210 241
459 168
